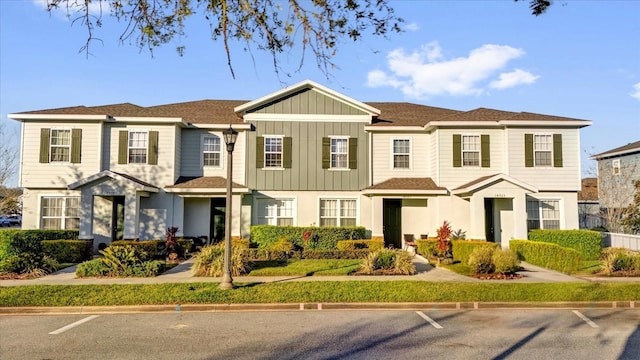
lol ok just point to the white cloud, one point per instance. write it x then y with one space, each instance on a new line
426 72
95 7
412 27
636 91
514 78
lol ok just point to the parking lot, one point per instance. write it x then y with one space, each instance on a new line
321 334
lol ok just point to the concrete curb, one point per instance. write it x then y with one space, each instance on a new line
127 309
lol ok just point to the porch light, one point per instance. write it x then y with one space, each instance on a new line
230 137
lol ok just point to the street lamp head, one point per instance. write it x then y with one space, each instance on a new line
230 136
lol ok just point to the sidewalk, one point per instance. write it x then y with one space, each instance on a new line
182 274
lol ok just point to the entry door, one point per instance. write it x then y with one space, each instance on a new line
117 218
392 222
217 220
489 220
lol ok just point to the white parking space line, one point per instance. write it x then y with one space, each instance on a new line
71 326
586 319
430 320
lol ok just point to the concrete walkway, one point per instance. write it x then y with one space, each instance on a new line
182 274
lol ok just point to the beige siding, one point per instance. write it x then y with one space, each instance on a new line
159 175
31 204
382 156
452 177
566 178
178 152
33 174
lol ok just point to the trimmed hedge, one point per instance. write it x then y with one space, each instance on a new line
587 242
547 255
14 241
98 268
322 238
371 245
154 248
335 254
68 251
427 248
462 249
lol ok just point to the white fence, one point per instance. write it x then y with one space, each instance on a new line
631 242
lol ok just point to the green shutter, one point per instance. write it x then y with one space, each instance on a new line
528 150
286 153
485 150
259 152
353 153
153 148
326 152
123 147
557 150
76 146
45 134
457 150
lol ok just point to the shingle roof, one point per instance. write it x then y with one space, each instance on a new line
202 182
407 184
474 182
589 190
631 147
408 114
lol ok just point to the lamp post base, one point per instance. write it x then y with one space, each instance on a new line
226 283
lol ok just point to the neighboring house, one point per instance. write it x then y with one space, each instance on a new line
305 155
588 207
617 170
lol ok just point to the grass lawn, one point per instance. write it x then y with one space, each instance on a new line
307 267
313 291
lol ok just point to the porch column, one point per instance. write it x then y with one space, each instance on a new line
131 215
86 215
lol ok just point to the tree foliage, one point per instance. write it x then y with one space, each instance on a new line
274 26
632 215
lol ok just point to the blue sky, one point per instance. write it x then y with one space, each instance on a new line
580 60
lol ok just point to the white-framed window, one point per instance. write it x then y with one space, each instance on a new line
543 149
401 153
338 212
273 147
60 145
211 151
615 165
470 150
339 153
280 212
138 144
60 212
543 214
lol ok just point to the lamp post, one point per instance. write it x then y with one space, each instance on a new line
230 137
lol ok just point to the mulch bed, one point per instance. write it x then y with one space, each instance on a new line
497 276
14 276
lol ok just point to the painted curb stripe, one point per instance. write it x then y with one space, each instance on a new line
71 326
586 319
430 320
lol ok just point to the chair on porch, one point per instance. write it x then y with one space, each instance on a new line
410 241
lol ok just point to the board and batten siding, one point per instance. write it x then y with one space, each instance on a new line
34 174
452 177
306 172
159 175
549 178
308 101
191 155
382 156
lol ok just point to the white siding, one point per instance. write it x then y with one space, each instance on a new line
382 156
565 178
33 174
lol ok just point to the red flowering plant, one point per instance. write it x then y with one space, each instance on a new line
171 244
444 245
306 236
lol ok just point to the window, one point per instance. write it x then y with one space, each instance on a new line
401 153
211 151
339 153
543 214
276 211
273 151
338 212
138 141
60 145
615 164
543 150
470 150
60 212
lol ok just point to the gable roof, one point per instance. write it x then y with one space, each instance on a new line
119 177
619 151
204 185
488 180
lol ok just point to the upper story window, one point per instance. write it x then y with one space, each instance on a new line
60 145
278 212
273 151
615 165
401 153
138 147
338 212
542 150
470 150
138 142
211 153
339 153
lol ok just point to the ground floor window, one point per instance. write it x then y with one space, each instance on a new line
60 212
276 211
543 214
338 212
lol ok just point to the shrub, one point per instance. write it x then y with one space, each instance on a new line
428 248
122 260
13 241
388 261
93 268
68 251
617 259
266 255
99 268
481 261
29 263
282 245
444 244
462 249
334 254
149 248
171 243
547 255
587 242
505 261
210 262
371 245
313 238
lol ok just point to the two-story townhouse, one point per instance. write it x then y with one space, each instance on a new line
306 155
